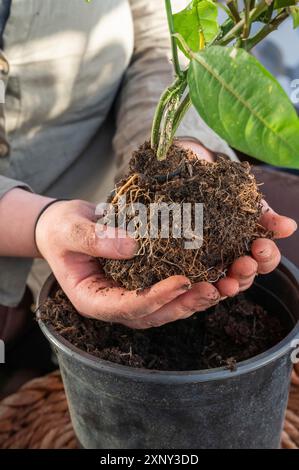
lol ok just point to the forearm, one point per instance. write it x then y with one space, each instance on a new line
19 210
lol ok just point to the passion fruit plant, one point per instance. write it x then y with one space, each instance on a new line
234 94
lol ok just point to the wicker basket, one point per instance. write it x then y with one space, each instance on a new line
37 417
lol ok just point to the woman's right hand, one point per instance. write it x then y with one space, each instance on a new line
67 237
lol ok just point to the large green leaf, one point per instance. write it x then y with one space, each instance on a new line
245 105
295 16
198 16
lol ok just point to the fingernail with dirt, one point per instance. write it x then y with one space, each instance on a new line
185 287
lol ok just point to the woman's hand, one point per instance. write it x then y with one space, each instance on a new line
265 256
68 239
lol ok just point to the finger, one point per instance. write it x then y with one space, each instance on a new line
246 285
243 269
267 255
201 151
99 241
202 296
280 225
93 298
228 287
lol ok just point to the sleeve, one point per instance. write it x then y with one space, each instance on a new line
149 73
6 184
13 272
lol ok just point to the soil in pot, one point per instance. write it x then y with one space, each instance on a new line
235 330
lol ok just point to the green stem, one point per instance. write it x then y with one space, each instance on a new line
254 14
234 11
166 134
174 48
269 13
268 29
182 110
247 24
224 29
165 98
168 94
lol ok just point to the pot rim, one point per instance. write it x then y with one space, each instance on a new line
220 373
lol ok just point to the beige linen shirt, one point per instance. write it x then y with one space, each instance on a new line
63 64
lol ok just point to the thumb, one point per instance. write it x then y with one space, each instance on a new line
202 152
100 241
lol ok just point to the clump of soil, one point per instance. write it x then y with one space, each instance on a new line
231 212
234 330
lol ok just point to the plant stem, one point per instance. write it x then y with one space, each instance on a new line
165 98
166 134
182 110
269 13
234 10
166 131
174 48
254 14
247 24
170 92
267 29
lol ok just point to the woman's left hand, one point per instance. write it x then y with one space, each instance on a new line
265 255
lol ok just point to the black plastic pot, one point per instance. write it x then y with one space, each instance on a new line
118 407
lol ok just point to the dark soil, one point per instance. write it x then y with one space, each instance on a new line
234 330
232 208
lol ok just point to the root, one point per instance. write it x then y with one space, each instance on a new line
232 208
124 188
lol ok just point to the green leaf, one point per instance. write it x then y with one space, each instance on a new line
245 105
284 3
295 16
198 16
